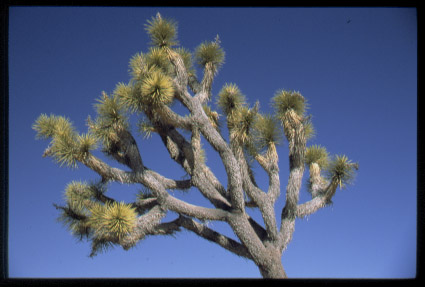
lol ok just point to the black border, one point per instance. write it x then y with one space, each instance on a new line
4 128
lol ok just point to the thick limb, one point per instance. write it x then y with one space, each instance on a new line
213 236
294 131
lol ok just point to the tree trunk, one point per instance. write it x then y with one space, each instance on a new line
273 268
270 263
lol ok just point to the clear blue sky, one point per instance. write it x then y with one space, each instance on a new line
360 79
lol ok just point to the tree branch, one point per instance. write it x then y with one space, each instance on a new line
169 117
202 213
183 153
317 202
270 165
171 183
199 117
179 67
145 204
205 87
194 84
261 199
213 236
247 235
145 225
294 131
199 178
109 173
124 148
230 163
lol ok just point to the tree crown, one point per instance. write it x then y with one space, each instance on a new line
160 77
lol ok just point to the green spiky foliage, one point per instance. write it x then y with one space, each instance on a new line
146 128
100 245
152 85
45 126
309 131
210 53
290 110
284 101
112 221
240 124
230 98
76 224
125 94
87 142
79 197
137 65
186 56
156 90
341 170
317 154
157 58
163 32
86 215
66 146
64 149
111 109
111 118
266 132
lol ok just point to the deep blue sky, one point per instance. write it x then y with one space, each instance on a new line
360 79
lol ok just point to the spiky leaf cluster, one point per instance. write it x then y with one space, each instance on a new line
158 59
290 108
240 123
111 110
125 94
266 132
156 90
111 118
146 128
65 150
209 53
75 223
309 131
45 126
79 197
163 32
137 66
187 60
317 154
341 169
86 142
66 146
152 84
230 98
112 221
100 245
285 101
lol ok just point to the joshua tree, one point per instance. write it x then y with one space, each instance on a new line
164 75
